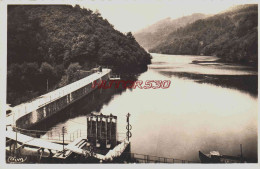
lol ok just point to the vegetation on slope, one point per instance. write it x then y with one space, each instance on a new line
231 35
53 43
155 34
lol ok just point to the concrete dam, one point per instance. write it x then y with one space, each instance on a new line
28 114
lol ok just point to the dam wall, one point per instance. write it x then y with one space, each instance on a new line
30 113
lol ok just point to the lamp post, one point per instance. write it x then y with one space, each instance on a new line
128 127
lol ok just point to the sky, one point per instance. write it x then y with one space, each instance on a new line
133 15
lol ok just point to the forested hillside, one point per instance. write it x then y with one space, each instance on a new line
231 35
53 43
155 34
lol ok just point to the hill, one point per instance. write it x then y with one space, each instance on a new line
52 43
155 34
231 35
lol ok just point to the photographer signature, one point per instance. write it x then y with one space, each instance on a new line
12 159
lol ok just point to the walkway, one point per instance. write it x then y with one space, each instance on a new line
25 108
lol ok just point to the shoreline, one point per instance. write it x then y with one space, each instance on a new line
248 83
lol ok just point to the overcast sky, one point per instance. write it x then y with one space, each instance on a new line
133 15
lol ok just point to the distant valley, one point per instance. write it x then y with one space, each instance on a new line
155 34
231 35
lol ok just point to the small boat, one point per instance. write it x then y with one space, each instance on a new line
215 157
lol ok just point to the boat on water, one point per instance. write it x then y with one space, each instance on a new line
216 157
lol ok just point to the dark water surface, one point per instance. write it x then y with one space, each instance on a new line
209 106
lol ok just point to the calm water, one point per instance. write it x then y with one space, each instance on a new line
179 121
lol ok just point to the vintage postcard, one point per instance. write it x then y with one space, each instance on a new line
129 82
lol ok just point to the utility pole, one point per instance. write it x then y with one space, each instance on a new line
241 153
63 131
15 148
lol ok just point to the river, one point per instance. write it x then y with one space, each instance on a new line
208 106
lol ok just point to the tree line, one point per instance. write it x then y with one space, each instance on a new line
53 43
231 35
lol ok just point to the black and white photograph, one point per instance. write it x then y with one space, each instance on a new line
127 82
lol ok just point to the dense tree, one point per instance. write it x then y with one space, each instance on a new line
231 35
49 39
73 72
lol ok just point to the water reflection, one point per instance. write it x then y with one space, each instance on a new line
182 63
179 121
187 117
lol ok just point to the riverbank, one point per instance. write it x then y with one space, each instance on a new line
250 66
245 83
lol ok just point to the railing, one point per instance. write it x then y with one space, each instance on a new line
58 136
32 105
142 158
52 135
70 137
